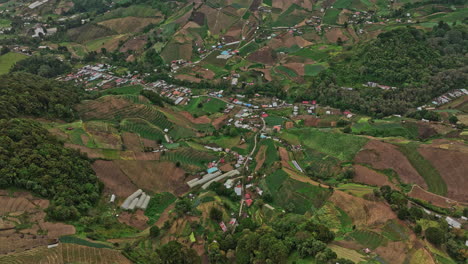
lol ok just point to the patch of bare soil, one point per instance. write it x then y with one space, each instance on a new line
131 141
226 167
260 157
363 212
190 78
437 200
334 34
199 120
284 157
382 155
134 44
452 166
155 176
264 55
393 252
137 219
115 181
371 177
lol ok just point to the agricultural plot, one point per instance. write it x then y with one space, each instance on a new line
386 129
273 120
249 48
395 231
431 176
205 106
356 189
341 146
331 16
158 203
142 128
295 196
117 108
271 154
287 71
188 156
9 60
132 89
81 242
313 69
368 238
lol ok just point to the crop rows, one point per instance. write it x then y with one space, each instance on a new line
143 128
148 113
189 156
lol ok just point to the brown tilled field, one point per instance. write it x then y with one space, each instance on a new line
260 157
334 34
371 177
437 200
363 212
154 176
132 141
66 253
137 219
284 157
452 166
115 181
382 155
128 24
22 208
198 120
264 55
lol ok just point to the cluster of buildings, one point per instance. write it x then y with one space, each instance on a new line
138 199
383 87
448 97
178 94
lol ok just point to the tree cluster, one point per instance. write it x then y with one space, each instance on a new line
32 159
24 94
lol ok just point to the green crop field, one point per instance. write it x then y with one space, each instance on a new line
80 241
158 203
188 156
131 89
331 16
286 70
205 106
386 129
342 4
142 128
368 238
251 47
338 145
271 155
431 176
8 60
295 196
313 69
273 120
395 231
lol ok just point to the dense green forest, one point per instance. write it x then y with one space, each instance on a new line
33 159
45 66
421 65
24 94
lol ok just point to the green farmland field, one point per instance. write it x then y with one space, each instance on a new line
8 60
431 176
340 146
158 203
368 238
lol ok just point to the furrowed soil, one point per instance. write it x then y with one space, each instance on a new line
452 165
382 155
371 177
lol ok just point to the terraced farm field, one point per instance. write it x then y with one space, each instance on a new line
115 108
189 156
142 128
368 238
66 253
